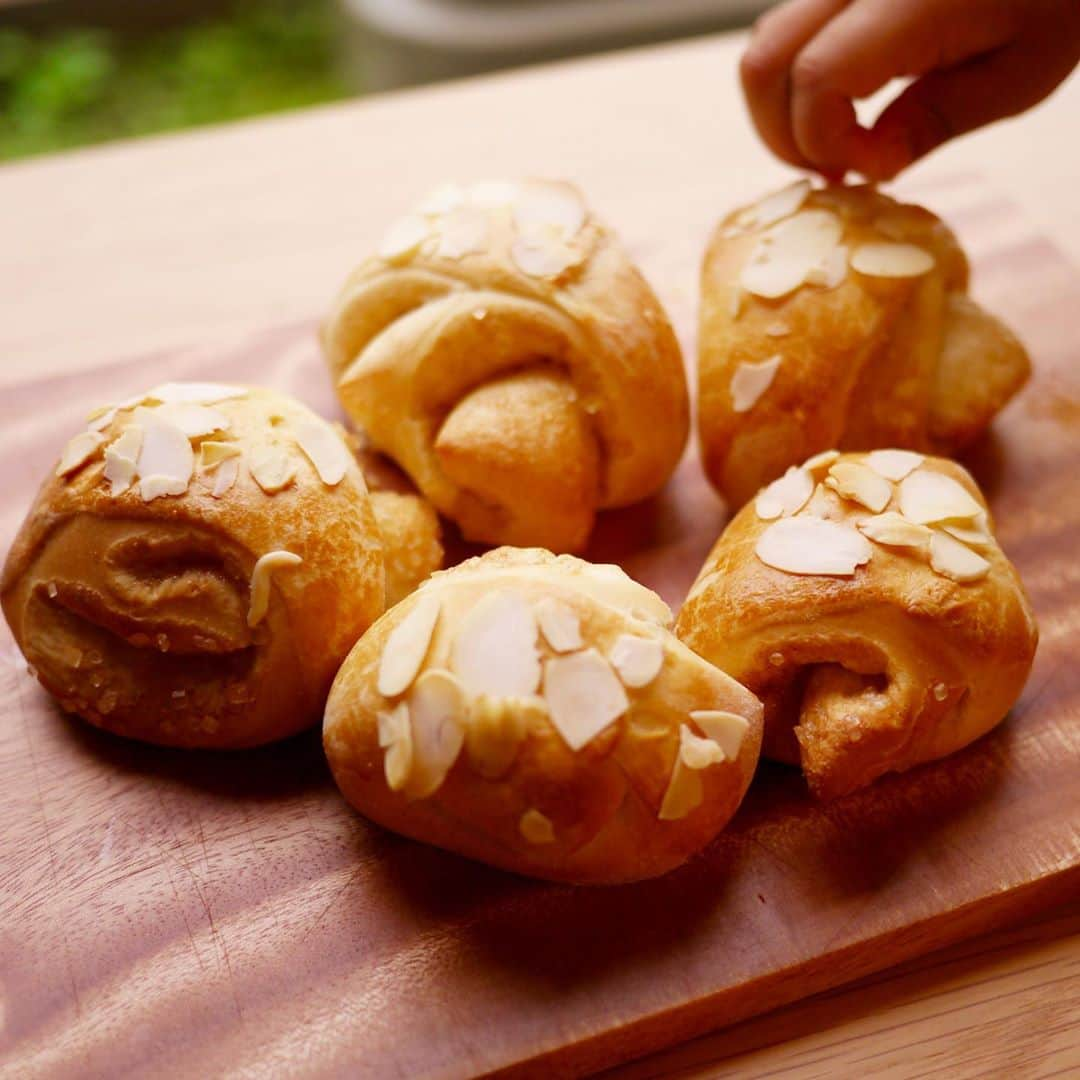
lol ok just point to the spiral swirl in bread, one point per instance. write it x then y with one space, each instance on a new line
506 353
535 712
840 318
199 565
864 599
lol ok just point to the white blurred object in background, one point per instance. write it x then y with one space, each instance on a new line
402 42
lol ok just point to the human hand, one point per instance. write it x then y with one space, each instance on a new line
975 61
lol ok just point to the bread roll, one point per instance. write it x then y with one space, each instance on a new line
198 567
840 318
534 712
506 353
864 599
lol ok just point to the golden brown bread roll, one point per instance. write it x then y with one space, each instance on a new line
535 712
505 352
864 599
840 317
201 562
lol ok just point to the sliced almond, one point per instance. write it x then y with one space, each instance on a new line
324 448
79 451
166 460
697 752
735 304
927 497
637 660
975 534
496 728
443 200
542 206
536 828
894 530
493 194
786 495
886 260
543 256
861 484
194 420
559 624
832 270
750 381
100 419
684 792
777 329
727 729
212 454
406 647
495 651
438 710
584 696
776 206
612 585
463 232
272 467
121 459
260 582
789 251
955 560
821 461
395 737
193 393
894 464
404 237
225 475
811 545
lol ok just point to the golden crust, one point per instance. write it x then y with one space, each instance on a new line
135 613
872 673
874 361
601 801
422 346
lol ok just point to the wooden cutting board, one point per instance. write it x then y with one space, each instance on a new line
178 914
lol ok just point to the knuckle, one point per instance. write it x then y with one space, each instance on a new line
811 73
757 68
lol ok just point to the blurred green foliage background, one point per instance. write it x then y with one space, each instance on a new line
69 87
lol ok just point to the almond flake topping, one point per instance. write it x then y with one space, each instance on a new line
272 467
496 728
493 194
559 624
121 459
195 421
79 451
975 534
462 232
584 696
955 560
404 237
894 530
727 729
928 497
438 710
100 419
789 251
776 206
212 454
891 260
543 256
684 791
750 381
861 484
192 393
811 545
735 305
395 737
777 329
820 461
536 827
443 199
541 206
260 582
894 464
406 647
166 460
637 660
786 495
832 270
697 752
225 476
324 448
495 651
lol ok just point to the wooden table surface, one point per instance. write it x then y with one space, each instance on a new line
203 238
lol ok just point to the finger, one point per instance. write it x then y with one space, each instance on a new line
948 103
866 45
766 66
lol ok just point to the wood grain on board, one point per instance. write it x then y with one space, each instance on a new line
170 913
